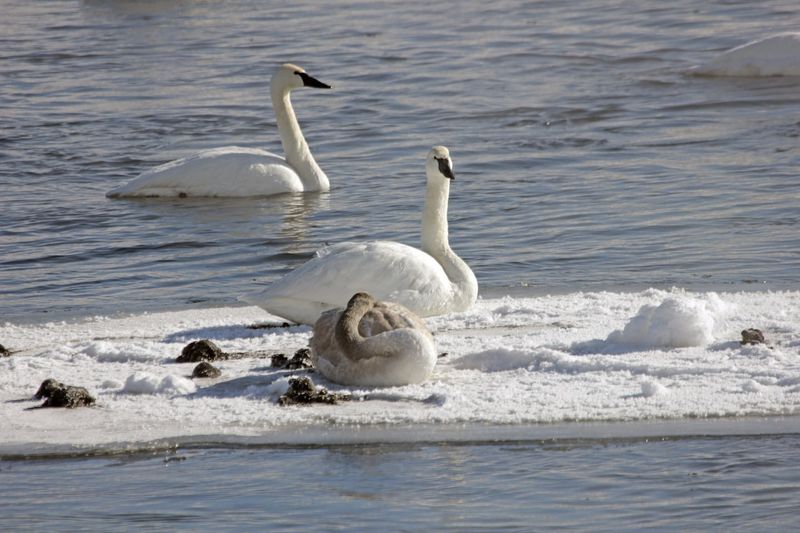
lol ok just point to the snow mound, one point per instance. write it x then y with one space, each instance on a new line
653 388
146 383
678 322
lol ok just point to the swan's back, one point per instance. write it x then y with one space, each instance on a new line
388 270
228 172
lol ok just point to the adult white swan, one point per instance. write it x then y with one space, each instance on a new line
431 281
372 344
237 171
777 55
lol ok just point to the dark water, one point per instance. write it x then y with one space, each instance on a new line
733 483
586 155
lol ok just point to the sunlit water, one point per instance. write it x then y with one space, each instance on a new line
587 157
696 484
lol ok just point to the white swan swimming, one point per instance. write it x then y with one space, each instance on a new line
778 55
235 171
372 344
431 281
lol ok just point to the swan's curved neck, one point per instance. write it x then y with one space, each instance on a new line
294 144
435 241
348 337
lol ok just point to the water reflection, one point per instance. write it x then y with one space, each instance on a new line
239 217
297 218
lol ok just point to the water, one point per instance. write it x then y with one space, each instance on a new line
587 158
694 483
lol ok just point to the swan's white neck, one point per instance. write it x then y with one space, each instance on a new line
435 241
294 144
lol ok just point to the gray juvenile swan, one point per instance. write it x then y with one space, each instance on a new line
235 171
372 344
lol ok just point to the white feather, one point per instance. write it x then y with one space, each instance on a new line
234 171
431 281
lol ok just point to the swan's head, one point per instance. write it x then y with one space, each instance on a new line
360 298
289 76
439 163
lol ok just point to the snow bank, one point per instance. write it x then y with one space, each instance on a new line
591 357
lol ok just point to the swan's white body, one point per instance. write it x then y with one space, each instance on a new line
431 281
372 344
234 171
778 55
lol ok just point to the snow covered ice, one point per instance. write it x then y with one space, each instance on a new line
590 357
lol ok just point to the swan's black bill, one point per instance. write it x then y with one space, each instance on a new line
309 81
444 167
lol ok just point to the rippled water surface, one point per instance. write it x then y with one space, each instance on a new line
697 484
586 155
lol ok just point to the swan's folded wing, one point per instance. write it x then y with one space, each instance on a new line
387 270
227 171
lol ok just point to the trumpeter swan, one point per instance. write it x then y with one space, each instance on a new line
431 281
236 171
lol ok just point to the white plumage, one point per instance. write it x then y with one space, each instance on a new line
431 281
234 171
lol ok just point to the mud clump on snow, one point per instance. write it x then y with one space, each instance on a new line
202 350
300 360
57 394
302 391
206 370
206 350
47 388
752 336
269 326
279 360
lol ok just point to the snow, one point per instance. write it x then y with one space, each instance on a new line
674 323
582 357
146 383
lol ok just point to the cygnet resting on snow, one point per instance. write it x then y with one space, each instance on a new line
372 344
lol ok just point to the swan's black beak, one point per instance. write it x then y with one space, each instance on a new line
309 81
444 168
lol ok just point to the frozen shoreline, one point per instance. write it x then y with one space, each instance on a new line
580 365
322 436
